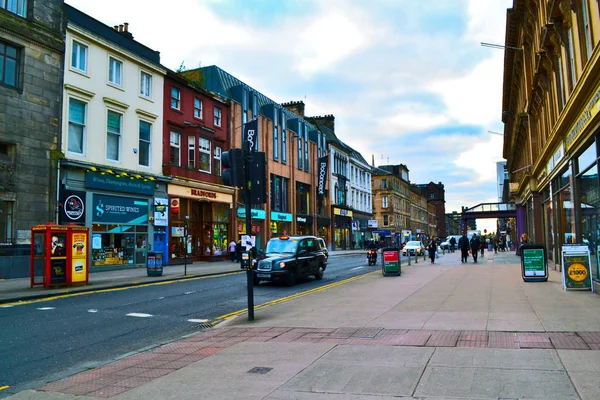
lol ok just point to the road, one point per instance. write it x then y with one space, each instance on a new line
45 341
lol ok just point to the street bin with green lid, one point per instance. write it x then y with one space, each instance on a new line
154 266
390 261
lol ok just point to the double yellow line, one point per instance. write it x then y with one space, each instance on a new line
226 317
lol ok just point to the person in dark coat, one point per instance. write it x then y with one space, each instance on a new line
452 244
238 251
432 248
475 243
463 245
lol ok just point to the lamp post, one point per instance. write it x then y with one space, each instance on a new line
185 244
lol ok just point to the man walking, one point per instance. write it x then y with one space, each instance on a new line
475 247
452 244
232 247
463 245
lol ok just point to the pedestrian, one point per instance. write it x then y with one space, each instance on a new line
238 251
495 244
475 243
232 247
452 244
524 240
432 248
463 245
482 244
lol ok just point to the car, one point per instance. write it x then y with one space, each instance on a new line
323 247
413 247
289 258
445 245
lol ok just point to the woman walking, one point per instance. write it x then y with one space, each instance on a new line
432 248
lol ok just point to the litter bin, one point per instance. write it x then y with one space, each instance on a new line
154 265
390 265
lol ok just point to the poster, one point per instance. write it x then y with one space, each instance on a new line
577 273
79 245
533 262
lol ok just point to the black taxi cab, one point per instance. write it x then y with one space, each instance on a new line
288 258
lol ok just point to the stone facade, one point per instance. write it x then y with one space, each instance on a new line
30 113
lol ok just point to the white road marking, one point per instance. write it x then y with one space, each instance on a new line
189 292
199 321
46 308
92 310
6 306
161 298
356 268
140 315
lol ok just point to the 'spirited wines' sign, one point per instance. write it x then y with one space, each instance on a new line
119 210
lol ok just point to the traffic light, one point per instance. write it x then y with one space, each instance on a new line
258 176
233 168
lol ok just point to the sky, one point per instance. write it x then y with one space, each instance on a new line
408 81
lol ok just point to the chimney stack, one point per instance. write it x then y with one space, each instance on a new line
126 26
121 28
297 107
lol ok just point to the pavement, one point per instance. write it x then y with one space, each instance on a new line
439 331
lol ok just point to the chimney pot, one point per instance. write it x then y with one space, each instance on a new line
126 25
116 27
121 28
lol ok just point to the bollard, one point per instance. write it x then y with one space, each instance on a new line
408 255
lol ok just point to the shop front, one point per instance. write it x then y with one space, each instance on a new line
323 228
360 231
117 207
342 219
281 223
257 222
304 224
199 222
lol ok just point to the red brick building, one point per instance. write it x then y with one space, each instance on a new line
436 195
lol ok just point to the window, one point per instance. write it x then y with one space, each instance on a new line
192 152
115 71
76 140
113 137
306 163
299 137
205 154
587 29
9 64
279 194
6 222
217 116
145 84
384 202
217 163
18 7
175 154
572 58
386 220
197 108
79 56
283 138
145 141
175 98
275 136
384 184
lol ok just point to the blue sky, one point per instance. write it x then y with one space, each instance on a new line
407 80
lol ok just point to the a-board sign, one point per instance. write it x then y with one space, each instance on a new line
534 265
391 261
576 267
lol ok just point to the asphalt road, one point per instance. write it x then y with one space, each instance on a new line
45 341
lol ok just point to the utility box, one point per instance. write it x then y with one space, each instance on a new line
154 266
59 255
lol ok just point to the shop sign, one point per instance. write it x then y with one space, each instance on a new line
372 223
73 207
278 216
199 193
343 212
116 183
354 225
175 205
577 272
161 212
582 122
119 210
254 213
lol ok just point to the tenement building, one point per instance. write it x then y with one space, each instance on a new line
31 69
551 121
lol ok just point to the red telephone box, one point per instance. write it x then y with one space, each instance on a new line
58 255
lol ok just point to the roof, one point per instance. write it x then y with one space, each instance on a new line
90 24
332 138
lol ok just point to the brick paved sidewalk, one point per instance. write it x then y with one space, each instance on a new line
137 370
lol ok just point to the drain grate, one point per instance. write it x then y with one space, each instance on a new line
259 370
203 326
